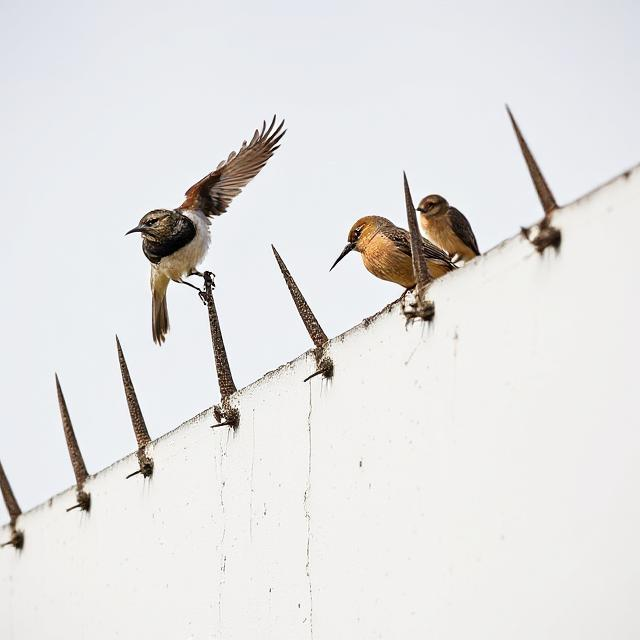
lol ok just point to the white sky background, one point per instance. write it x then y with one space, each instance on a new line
112 109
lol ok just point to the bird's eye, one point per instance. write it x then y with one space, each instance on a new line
151 222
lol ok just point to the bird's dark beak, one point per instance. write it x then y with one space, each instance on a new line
350 247
420 209
138 229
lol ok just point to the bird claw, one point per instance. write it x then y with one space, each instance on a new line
209 278
209 285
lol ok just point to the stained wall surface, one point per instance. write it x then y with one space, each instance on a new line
474 477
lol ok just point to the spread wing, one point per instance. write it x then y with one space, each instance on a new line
462 229
402 240
213 194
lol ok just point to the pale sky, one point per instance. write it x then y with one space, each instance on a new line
112 109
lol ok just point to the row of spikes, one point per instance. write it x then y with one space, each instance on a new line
225 413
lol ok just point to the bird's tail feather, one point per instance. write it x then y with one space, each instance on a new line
159 313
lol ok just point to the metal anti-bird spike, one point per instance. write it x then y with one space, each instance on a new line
9 498
424 308
225 379
542 188
137 420
317 335
225 414
311 323
17 537
77 462
419 263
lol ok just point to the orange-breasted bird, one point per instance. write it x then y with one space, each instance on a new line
386 251
176 240
447 227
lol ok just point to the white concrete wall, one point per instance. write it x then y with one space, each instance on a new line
476 477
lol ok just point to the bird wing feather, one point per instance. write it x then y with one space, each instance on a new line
213 194
402 240
461 227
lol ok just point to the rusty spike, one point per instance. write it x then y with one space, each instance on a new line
9 498
542 188
139 427
225 379
420 270
311 323
77 462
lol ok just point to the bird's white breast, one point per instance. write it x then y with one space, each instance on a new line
180 263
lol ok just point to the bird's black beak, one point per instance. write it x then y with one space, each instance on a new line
138 229
420 209
350 247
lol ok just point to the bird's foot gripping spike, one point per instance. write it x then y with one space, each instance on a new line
226 417
17 540
421 307
325 369
201 292
208 278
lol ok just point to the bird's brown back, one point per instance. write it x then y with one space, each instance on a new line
387 255
451 231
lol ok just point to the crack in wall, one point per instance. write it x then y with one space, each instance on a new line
223 557
253 459
307 515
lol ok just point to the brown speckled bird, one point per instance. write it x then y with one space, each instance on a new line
386 251
447 227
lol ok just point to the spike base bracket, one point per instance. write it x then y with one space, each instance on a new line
324 366
547 236
84 501
418 308
16 541
146 465
226 416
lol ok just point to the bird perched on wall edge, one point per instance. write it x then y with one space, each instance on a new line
386 251
447 227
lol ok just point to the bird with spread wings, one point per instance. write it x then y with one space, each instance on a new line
175 241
